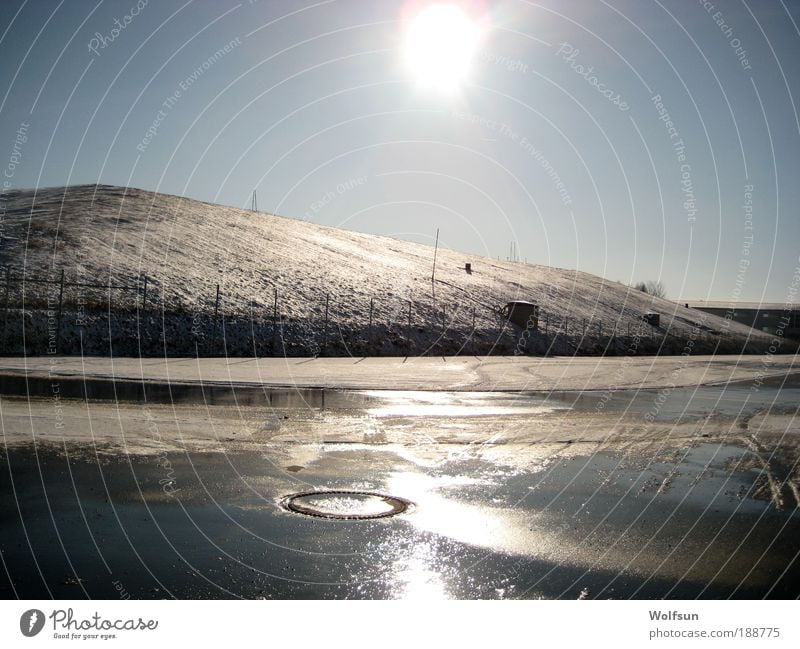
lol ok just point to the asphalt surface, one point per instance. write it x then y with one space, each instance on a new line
562 495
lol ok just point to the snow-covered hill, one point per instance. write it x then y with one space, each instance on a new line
116 236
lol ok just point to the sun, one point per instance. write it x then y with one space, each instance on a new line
440 41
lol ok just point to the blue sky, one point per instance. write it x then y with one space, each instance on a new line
675 157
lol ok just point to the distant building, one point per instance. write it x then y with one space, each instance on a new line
765 317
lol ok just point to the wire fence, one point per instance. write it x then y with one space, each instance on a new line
60 314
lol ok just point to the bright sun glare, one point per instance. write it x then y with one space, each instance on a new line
439 45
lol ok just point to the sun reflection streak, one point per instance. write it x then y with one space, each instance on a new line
452 404
508 528
416 578
441 515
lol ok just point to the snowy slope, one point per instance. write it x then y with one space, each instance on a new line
116 235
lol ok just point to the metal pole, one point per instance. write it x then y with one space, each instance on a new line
409 323
216 312
325 332
371 306
433 274
274 320
471 338
435 251
144 294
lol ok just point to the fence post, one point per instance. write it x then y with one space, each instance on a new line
472 333
216 313
274 320
408 334
5 309
325 332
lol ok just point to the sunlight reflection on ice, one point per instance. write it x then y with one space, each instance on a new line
493 527
459 404
416 577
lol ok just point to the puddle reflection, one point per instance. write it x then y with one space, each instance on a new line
459 404
495 527
416 576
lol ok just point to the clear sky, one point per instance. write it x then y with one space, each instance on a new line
633 139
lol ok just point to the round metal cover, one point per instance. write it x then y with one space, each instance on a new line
344 504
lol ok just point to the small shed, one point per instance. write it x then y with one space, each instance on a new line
522 314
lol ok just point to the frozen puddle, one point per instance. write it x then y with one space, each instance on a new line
459 404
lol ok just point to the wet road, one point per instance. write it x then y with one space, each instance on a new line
700 502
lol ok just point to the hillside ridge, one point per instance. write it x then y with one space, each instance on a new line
337 290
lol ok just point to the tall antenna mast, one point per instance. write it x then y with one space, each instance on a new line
254 205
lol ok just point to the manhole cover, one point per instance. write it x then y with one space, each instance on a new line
346 505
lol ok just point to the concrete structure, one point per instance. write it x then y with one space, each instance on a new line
767 317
